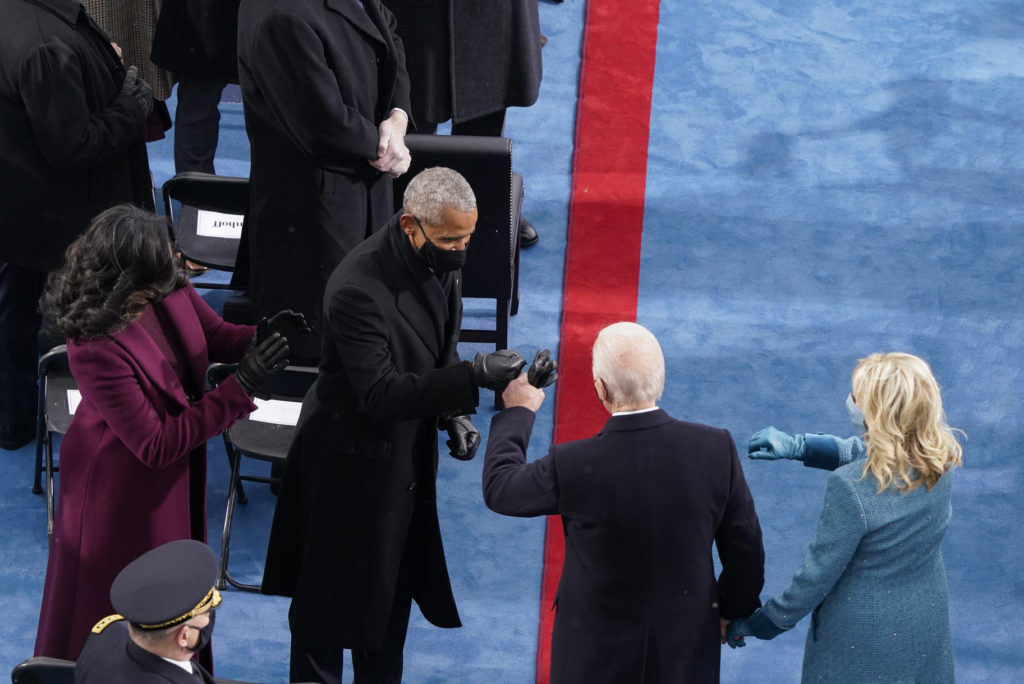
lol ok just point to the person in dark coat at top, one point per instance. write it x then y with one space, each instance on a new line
641 502
355 537
326 100
468 61
71 145
133 461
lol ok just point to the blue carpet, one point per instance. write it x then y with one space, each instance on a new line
825 180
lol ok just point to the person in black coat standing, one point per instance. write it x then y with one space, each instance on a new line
325 95
71 145
355 536
641 504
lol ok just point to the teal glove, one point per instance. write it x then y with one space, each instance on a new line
771 444
757 625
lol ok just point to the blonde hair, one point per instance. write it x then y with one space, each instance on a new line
908 440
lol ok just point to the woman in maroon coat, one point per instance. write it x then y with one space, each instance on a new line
133 463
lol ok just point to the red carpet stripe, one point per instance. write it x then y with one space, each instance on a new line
602 263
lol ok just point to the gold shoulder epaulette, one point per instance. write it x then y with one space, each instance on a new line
105 622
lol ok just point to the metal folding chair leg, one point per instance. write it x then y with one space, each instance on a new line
223 576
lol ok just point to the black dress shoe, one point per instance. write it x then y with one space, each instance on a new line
17 435
527 233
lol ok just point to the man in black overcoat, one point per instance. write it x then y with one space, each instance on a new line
355 536
71 145
325 95
641 504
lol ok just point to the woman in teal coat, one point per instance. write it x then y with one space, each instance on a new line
873 576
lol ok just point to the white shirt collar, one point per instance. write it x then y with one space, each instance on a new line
630 413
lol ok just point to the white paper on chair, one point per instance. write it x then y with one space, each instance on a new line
215 224
276 411
74 398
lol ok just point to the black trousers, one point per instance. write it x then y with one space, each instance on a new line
196 124
322 662
20 289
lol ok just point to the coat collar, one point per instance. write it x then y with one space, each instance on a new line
422 300
159 666
360 17
66 10
636 421
140 346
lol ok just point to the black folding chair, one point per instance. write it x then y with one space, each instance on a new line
260 440
208 220
44 671
58 391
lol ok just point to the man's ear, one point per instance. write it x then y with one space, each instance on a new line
408 222
181 636
602 391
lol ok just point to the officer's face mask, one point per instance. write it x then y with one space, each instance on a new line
856 415
204 633
440 260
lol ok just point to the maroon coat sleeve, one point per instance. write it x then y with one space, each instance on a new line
156 430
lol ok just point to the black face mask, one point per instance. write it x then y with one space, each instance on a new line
441 260
204 634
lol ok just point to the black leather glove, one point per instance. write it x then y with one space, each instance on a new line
543 370
262 361
495 370
463 437
286 323
139 89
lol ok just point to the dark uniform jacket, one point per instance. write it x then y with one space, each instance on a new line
467 58
70 143
641 504
111 657
317 77
361 473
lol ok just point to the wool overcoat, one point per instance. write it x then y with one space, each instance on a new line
468 58
317 78
641 502
873 579
359 484
133 462
70 142
197 38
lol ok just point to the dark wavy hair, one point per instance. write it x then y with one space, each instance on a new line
111 273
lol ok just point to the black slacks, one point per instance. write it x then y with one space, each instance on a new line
196 124
322 662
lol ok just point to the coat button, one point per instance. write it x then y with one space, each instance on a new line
411 486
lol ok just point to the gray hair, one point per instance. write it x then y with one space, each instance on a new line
432 190
628 359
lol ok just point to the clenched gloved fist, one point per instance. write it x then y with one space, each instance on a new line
495 370
262 361
139 89
543 370
463 437
771 444
286 323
